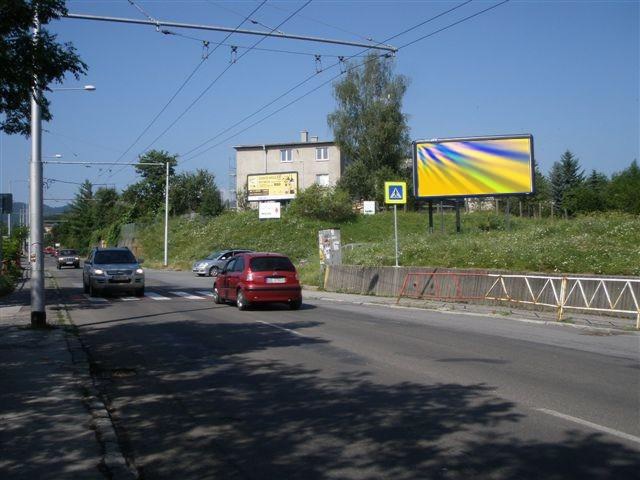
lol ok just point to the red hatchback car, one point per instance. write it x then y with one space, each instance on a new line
258 278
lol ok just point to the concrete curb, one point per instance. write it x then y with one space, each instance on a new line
114 464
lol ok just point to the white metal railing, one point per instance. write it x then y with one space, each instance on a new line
616 295
577 293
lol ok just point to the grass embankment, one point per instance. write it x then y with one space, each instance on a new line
607 243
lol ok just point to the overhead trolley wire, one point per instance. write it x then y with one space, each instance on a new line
220 76
341 61
184 83
451 25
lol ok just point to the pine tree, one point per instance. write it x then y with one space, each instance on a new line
564 175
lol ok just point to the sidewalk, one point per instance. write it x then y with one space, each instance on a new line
49 419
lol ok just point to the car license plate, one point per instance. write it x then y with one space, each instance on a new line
68 263
276 280
120 278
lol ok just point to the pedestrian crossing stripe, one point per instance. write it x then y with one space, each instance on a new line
186 295
203 295
395 192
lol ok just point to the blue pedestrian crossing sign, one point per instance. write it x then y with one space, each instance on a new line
395 193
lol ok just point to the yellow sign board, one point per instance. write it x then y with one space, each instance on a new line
395 193
272 186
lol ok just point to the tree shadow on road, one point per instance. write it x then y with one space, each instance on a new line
217 401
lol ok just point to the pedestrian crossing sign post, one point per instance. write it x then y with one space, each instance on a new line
395 193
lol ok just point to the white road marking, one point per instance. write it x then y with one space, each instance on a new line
187 295
282 328
96 299
129 299
155 296
595 426
206 293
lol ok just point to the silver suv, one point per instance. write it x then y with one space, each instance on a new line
112 270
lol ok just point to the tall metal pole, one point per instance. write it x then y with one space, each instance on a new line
38 313
395 228
166 218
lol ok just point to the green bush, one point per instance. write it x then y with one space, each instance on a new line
322 203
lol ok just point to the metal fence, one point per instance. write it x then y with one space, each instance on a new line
615 295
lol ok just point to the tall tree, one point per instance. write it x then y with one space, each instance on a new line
588 196
24 59
368 124
624 190
146 197
80 219
193 192
565 174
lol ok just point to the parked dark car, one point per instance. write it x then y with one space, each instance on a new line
258 278
68 258
110 270
213 263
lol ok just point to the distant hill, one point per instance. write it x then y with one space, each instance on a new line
47 212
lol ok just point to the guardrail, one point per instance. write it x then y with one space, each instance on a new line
563 293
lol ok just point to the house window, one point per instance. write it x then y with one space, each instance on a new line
286 155
323 179
322 153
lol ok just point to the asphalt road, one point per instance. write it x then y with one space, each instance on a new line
337 390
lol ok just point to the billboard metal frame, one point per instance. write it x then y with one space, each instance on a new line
414 151
270 198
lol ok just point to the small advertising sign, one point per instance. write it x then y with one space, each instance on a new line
272 186
329 246
369 207
268 210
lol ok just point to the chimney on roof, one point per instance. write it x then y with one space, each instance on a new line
314 138
304 136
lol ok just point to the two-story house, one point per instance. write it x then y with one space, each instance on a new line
313 160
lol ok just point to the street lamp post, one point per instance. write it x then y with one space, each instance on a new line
36 257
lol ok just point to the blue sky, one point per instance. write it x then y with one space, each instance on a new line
567 72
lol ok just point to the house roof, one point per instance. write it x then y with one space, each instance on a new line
260 146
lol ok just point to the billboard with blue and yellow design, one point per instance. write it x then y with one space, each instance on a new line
473 166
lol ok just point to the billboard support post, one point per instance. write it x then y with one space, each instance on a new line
507 214
441 216
430 216
457 216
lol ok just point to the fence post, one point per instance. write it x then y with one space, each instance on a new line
563 292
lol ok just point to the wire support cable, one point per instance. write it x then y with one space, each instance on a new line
180 88
341 63
215 80
348 69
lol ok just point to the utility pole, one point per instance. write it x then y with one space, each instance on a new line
166 191
36 259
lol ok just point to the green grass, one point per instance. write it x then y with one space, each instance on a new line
607 243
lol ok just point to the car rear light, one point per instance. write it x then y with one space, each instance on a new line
250 277
296 276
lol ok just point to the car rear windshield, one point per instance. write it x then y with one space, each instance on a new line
68 252
116 256
265 264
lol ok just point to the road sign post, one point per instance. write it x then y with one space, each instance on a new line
395 193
